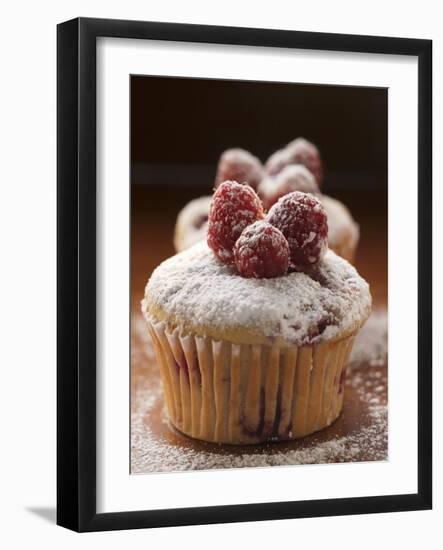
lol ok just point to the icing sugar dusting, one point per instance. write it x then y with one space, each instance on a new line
371 344
153 452
299 308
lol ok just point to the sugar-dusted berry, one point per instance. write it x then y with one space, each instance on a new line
299 151
294 177
303 221
233 207
239 165
261 251
277 161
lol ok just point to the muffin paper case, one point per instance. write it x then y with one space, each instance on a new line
223 392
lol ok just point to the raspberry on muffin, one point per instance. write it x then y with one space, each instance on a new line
233 207
241 166
303 221
261 251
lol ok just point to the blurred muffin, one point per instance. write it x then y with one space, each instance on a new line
296 167
298 151
343 230
192 223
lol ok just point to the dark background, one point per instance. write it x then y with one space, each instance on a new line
180 126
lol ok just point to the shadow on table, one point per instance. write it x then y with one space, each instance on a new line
46 513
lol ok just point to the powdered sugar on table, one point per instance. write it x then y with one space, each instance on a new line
360 434
371 344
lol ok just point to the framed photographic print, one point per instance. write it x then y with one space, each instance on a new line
244 274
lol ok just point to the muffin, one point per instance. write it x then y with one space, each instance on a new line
343 230
253 345
294 177
192 223
298 151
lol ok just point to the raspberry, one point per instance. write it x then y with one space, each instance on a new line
233 207
294 177
261 251
299 151
277 161
303 221
239 165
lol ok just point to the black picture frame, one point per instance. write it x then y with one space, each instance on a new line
76 277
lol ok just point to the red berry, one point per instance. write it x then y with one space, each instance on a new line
261 251
303 221
294 177
233 207
239 165
299 151
277 161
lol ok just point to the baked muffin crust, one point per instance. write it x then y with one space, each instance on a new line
194 293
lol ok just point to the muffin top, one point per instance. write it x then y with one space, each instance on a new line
340 222
195 293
